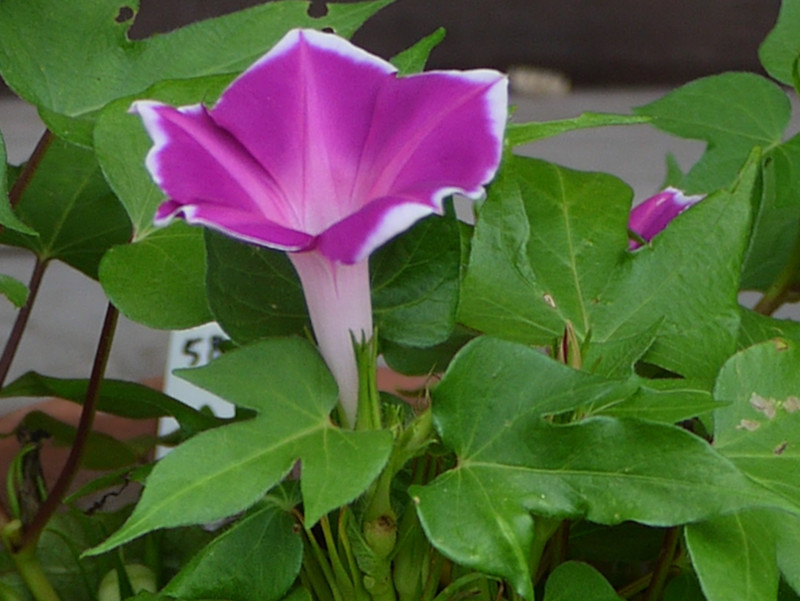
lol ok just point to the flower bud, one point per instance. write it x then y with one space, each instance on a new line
655 213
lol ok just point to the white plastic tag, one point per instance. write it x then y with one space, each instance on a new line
192 348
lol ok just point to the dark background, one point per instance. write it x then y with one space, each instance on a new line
610 42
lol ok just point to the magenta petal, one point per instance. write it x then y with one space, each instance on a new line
355 237
654 214
434 133
304 110
212 180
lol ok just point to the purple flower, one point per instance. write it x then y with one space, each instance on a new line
655 213
320 149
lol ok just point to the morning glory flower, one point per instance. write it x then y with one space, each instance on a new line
654 214
322 150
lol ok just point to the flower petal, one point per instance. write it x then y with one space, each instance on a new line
212 180
355 237
433 133
304 112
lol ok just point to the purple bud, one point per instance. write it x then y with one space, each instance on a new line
655 213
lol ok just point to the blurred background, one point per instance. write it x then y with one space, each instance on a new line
614 42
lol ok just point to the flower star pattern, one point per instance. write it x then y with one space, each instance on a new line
321 150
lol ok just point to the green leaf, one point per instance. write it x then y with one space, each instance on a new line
14 290
674 174
70 206
415 283
512 463
787 533
574 580
117 397
267 551
734 557
732 112
785 160
45 74
779 51
684 587
758 430
542 252
757 328
412 60
526 381
688 277
524 133
103 451
159 281
121 144
7 217
223 471
253 292
668 400
543 255
414 361
299 594
774 227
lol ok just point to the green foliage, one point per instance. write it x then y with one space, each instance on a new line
159 281
512 462
7 217
254 292
541 240
591 395
781 48
574 580
518 134
226 470
117 66
269 551
70 207
14 290
412 60
117 397
732 113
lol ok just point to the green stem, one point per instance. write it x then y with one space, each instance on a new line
27 564
345 516
635 587
369 400
776 294
343 581
313 580
458 585
435 574
30 536
322 562
665 558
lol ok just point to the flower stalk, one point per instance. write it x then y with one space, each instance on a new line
30 536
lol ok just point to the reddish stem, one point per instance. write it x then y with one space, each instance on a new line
31 535
14 338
